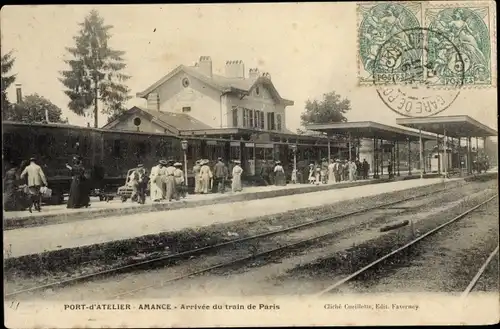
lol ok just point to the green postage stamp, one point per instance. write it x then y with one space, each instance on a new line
440 44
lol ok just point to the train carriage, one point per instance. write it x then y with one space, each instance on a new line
109 154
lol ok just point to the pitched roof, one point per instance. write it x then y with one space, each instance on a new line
174 122
219 82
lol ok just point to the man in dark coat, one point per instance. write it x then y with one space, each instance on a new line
220 176
265 173
366 168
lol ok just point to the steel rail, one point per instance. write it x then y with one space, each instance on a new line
216 246
394 252
478 275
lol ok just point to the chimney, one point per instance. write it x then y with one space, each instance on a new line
235 69
205 65
253 73
266 75
19 93
154 102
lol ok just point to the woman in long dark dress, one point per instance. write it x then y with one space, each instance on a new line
11 199
78 192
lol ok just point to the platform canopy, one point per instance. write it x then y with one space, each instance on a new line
454 126
370 129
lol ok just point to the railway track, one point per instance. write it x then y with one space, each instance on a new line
372 265
478 275
186 254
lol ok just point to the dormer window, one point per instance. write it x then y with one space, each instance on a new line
186 109
257 91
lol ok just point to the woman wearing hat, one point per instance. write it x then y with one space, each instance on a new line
156 180
205 177
197 180
279 174
78 192
180 190
169 186
312 173
237 171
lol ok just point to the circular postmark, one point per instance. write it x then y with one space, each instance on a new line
418 72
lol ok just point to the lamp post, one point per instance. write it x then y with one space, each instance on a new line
294 150
184 145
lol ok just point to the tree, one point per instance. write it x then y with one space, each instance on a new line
95 71
32 109
330 109
7 63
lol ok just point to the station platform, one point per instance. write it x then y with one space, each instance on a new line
42 239
101 209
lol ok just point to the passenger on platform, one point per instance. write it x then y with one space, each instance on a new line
79 195
169 182
163 174
345 170
197 180
205 177
312 173
324 171
36 179
279 174
331 172
236 182
293 178
337 170
352 170
366 168
180 184
11 195
156 180
389 169
265 173
143 184
220 176
359 168
317 173
133 182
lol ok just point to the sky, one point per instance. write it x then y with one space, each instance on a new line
308 48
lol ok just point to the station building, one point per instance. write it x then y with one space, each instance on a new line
235 115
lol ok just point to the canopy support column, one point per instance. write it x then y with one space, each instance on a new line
397 156
381 157
329 155
459 157
375 159
477 154
445 154
350 146
421 153
409 157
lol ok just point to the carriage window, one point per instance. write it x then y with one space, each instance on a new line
116 148
141 149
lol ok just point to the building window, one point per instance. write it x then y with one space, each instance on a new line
186 109
251 118
278 121
262 120
245 118
256 120
185 82
235 116
257 91
270 121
